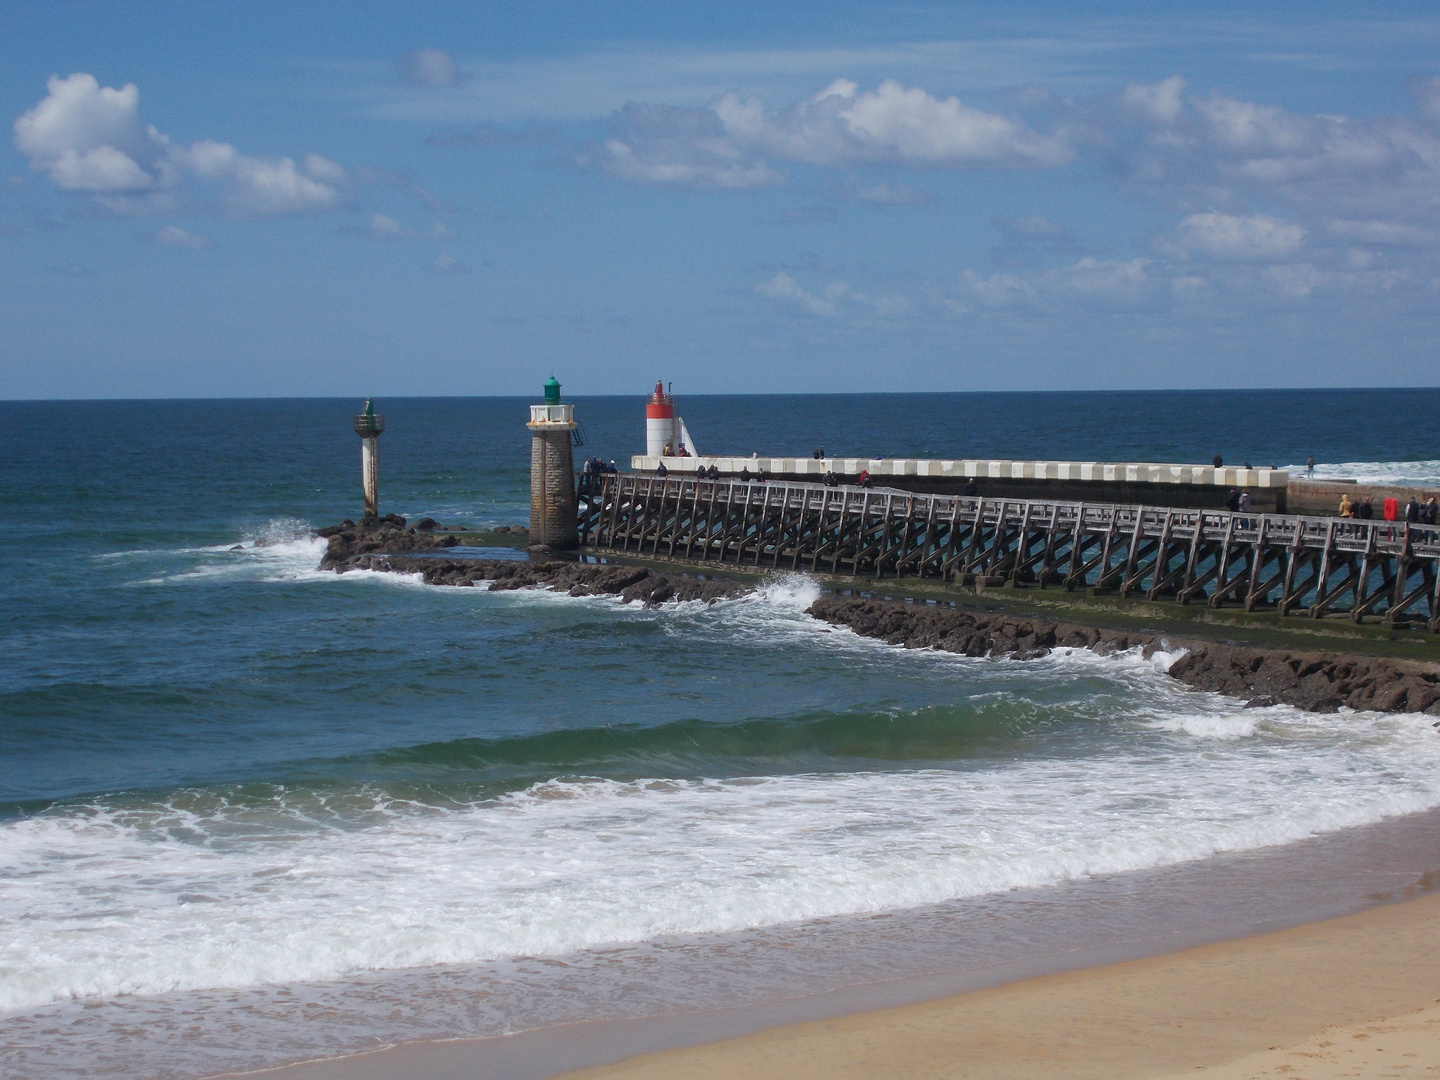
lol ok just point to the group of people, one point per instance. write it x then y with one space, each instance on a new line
832 478
595 466
1415 513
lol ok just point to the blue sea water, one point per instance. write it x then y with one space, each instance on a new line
225 773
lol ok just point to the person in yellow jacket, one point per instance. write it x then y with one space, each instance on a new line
1346 510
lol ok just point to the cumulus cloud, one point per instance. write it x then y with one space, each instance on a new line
429 67
678 147
1227 236
993 291
730 143
1225 151
90 138
837 298
1158 103
784 288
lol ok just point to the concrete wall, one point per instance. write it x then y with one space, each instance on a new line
1146 483
1323 496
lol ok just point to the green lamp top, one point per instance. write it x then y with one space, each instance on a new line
552 391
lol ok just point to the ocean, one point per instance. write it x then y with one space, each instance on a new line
252 813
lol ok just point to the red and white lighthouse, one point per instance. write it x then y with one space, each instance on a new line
665 432
661 436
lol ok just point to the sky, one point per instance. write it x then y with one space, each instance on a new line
300 198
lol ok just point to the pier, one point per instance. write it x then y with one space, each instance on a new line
1147 483
1316 567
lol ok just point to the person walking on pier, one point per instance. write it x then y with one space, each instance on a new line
1429 515
1412 511
1346 510
1310 467
1366 510
1232 501
1244 508
972 489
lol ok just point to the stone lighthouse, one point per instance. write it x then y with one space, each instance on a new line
369 426
552 473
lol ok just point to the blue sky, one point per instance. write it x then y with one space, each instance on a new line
394 199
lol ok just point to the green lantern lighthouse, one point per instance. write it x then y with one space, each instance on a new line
552 473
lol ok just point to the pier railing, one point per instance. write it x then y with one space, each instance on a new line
1314 566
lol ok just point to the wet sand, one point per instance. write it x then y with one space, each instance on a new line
1349 996
1354 996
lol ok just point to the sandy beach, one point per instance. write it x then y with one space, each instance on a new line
1355 996
1351 996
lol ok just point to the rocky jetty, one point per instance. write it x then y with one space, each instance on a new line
629 583
1314 681
387 545
348 541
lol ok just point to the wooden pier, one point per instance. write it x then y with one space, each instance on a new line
1307 566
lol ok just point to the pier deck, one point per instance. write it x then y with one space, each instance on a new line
1294 565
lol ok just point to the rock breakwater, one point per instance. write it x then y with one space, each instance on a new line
1313 681
389 546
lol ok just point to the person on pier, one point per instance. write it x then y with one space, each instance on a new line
972 489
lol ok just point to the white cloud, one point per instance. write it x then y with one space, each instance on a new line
1227 236
994 291
1159 103
90 138
784 288
1108 280
429 67
727 144
383 227
174 236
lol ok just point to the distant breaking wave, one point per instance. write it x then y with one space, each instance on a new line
1405 473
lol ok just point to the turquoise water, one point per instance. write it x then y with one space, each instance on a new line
225 775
